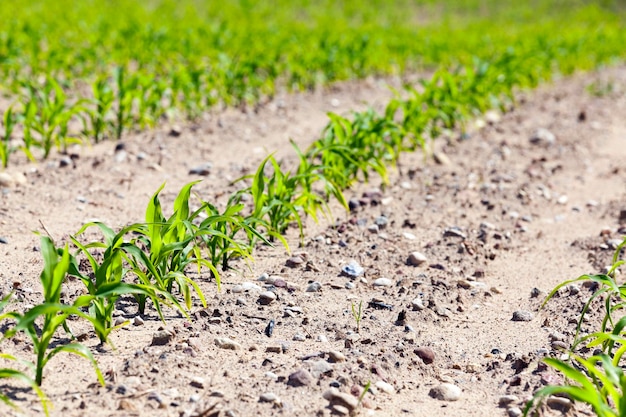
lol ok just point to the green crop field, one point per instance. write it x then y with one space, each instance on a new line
86 71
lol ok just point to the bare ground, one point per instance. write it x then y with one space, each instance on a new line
524 217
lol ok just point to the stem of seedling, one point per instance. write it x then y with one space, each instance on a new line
358 315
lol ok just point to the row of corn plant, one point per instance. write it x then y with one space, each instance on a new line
147 261
110 74
597 380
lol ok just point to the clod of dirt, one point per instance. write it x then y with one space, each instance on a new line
426 354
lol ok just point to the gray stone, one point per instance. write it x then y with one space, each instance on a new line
266 297
162 337
335 397
319 367
313 287
416 259
138 321
506 400
445 392
300 378
197 382
522 315
559 403
353 270
514 412
418 304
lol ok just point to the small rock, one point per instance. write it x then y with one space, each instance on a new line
340 410
294 262
300 378
381 222
4 240
269 397
559 403
506 400
418 304
353 270
426 354
138 321
274 349
202 170
126 405
562 200
382 282
319 368
454 232
6 180
194 398
445 392
225 343
441 158
299 337
373 228
335 397
266 297
162 337
522 315
514 412
385 387
409 236
313 287
416 259
322 338
250 286
543 137
197 382
336 356
176 131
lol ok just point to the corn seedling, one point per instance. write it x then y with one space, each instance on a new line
6 149
598 381
357 314
105 282
51 314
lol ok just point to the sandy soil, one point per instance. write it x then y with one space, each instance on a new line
501 222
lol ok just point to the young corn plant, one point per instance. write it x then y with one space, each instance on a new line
41 322
357 314
98 115
172 244
598 381
14 374
105 282
6 149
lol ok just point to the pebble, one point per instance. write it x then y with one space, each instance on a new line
336 356
271 375
335 397
409 236
381 222
294 262
416 259
340 410
418 304
322 338
514 412
441 158
559 403
506 400
162 337
266 297
250 286
194 398
202 170
522 315
299 337
197 382
313 287
353 269
269 397
382 282
6 180
385 387
426 354
562 200
225 343
138 321
349 285
373 228
445 392
543 137
4 240
300 378
454 232
319 368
